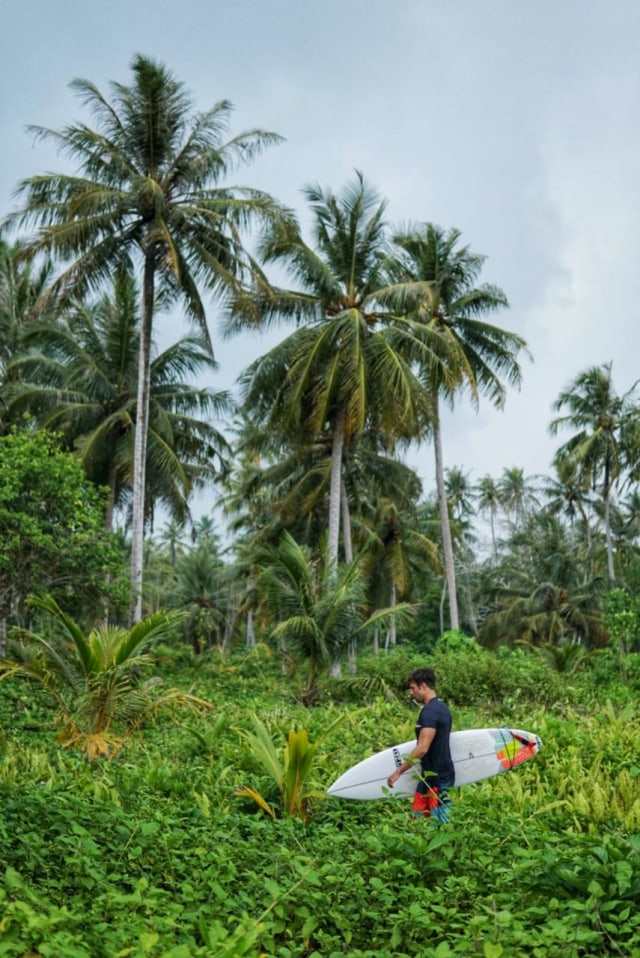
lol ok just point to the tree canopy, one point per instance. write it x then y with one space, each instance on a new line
52 529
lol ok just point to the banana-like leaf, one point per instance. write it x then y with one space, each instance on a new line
247 792
264 750
291 774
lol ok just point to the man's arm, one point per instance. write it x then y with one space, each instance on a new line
422 746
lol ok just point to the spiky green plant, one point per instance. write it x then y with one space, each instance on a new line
567 658
291 772
96 679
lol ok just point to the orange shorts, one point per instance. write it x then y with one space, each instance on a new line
434 803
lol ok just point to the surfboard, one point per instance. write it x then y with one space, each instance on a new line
477 754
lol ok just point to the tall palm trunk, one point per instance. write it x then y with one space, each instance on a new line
250 641
346 524
335 486
390 638
348 557
492 522
606 501
111 498
447 544
140 445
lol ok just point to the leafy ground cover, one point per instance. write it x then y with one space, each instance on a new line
156 854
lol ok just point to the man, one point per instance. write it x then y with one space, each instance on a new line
433 729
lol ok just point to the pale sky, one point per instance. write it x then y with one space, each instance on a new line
517 123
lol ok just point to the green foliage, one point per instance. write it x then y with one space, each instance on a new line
621 619
566 658
456 641
541 862
199 590
96 680
480 679
52 528
315 620
423 631
291 774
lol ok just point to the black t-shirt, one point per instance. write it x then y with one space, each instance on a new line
437 766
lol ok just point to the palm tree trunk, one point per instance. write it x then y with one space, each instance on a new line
391 632
140 446
607 533
334 510
108 516
251 634
348 557
447 545
443 596
334 495
346 524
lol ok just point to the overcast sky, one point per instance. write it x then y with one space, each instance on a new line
517 123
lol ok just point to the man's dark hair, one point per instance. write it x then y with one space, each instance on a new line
423 677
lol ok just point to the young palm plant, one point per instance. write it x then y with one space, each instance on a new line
96 679
291 773
315 622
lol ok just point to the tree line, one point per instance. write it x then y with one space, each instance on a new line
333 540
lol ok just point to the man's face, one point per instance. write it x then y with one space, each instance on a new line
418 692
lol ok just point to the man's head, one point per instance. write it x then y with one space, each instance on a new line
422 685
424 676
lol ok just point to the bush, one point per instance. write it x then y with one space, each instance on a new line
475 678
454 640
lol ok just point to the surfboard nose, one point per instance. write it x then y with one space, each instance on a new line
528 739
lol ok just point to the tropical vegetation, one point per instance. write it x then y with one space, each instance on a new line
210 602
147 194
214 833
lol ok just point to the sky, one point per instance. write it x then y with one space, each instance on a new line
516 123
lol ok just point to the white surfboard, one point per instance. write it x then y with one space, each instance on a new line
477 754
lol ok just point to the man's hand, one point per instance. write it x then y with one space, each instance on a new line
393 778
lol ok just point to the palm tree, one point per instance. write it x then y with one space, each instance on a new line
459 496
199 592
172 538
540 591
460 506
518 495
478 354
395 557
489 501
20 288
345 372
148 190
78 377
314 621
600 418
566 495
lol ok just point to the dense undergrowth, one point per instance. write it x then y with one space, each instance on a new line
154 854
